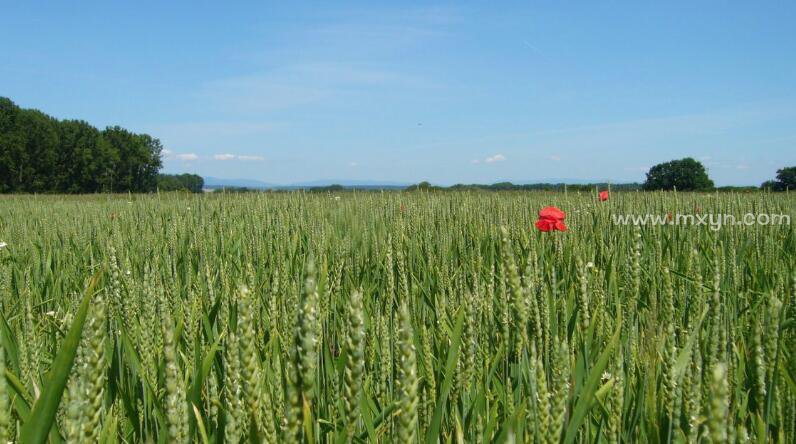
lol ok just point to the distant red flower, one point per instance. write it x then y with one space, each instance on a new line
551 219
603 196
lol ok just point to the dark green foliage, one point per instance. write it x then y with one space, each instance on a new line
139 159
684 175
236 190
786 180
40 154
180 182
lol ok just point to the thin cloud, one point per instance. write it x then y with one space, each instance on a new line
495 158
186 156
226 156
252 158
555 158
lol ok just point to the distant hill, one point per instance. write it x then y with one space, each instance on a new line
363 184
215 182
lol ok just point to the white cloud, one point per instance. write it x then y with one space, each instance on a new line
742 166
251 158
353 164
186 156
495 158
226 156
166 152
475 161
555 158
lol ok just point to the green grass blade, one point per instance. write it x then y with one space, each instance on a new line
587 393
432 435
42 416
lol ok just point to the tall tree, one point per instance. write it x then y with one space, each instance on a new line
40 154
139 159
685 175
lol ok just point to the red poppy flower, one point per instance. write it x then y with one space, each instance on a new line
603 196
551 219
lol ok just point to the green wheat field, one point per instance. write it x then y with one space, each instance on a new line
394 317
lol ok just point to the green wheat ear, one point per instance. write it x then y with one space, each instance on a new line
407 381
718 405
304 354
176 402
5 407
355 362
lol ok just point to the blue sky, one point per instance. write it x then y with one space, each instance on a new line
445 92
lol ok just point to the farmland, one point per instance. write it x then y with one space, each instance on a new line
394 317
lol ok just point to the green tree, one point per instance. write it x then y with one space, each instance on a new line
685 175
40 154
86 160
180 182
12 141
139 159
36 157
786 180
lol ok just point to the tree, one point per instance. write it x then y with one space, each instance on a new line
86 159
11 142
786 180
139 159
180 182
787 177
423 186
40 154
684 175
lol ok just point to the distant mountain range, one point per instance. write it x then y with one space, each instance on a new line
215 182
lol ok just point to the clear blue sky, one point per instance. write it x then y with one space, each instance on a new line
445 92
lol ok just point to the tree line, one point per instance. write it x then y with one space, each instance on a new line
508 186
685 174
42 154
180 182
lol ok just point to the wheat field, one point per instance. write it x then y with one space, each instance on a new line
394 317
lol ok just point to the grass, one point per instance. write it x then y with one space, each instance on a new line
394 317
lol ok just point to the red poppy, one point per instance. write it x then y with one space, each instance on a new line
550 219
603 196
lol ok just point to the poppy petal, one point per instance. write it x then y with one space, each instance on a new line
552 213
544 225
